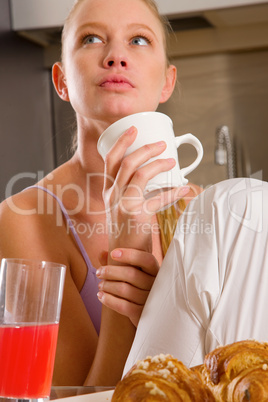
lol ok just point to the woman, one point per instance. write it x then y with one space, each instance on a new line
113 64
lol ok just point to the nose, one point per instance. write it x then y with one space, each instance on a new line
115 57
114 62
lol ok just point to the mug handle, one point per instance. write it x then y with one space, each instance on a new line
192 140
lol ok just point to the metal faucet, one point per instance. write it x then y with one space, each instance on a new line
224 154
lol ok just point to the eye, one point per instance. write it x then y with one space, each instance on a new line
91 39
140 41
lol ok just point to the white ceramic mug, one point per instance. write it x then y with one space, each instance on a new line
153 127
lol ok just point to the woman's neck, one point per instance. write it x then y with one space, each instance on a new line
89 164
87 137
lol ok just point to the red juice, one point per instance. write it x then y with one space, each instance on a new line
27 354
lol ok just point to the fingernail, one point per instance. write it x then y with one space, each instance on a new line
171 160
130 130
161 143
98 272
100 295
100 285
116 253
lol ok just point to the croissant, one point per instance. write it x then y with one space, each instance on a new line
161 378
237 372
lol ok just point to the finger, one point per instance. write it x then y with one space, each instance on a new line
133 162
142 175
121 306
115 155
127 274
124 291
164 199
138 258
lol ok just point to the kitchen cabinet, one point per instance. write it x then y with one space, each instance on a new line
174 8
37 14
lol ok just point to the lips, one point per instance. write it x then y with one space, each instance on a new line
116 82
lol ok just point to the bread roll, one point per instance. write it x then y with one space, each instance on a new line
238 372
161 378
233 373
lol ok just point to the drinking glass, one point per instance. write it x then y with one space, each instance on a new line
30 302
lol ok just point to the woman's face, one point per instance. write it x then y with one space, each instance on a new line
114 61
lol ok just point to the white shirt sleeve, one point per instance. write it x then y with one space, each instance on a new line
212 287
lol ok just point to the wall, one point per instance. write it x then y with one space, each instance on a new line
217 89
26 142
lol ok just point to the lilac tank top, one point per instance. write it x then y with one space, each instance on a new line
89 290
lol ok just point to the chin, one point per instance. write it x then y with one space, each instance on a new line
116 109
123 112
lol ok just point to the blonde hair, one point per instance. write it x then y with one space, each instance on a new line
167 221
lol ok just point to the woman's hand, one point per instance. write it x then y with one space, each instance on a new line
129 214
124 288
131 269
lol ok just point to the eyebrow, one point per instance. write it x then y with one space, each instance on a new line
143 26
90 24
103 26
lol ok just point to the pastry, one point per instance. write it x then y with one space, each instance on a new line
237 372
161 378
233 373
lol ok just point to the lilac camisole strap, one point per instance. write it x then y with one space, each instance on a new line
89 290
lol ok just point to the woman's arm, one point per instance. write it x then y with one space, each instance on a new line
127 210
126 287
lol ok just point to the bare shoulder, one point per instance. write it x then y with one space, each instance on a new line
28 227
33 227
30 205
